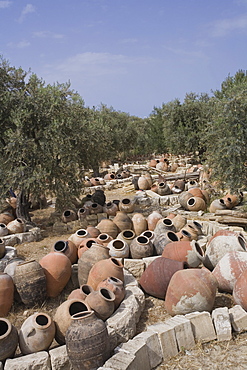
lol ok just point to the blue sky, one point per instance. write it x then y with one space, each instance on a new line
128 54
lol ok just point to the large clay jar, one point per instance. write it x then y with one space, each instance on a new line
78 236
162 240
184 251
93 231
149 178
196 204
178 221
3 230
155 279
139 223
164 225
240 290
30 282
183 198
152 220
191 290
109 176
16 226
57 269
116 286
229 268
95 209
82 213
110 208
36 333
69 215
2 248
162 166
123 221
95 253
163 189
118 248
63 315
8 339
102 303
66 247
127 236
231 200
192 230
143 183
196 192
81 292
107 226
141 247
103 269
87 341
5 218
85 245
104 239
217 204
6 293
126 205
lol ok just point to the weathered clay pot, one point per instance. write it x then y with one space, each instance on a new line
103 269
155 279
30 282
149 179
141 247
69 215
99 197
163 189
143 183
191 290
81 292
36 333
11 265
196 192
152 220
178 221
16 226
178 186
191 184
240 290
5 218
118 248
127 236
95 181
109 176
116 286
63 316
152 163
2 248
162 240
3 230
217 204
126 205
57 269
184 235
78 236
184 251
231 200
6 293
196 204
95 209
101 302
110 208
192 230
149 234
104 239
87 341
183 198
139 223
85 245
162 166
8 339
164 225
123 221
107 226
82 213
93 231
68 248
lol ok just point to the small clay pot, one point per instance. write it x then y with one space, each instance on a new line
103 269
81 293
16 226
116 286
141 247
118 248
127 236
126 205
68 248
69 215
101 302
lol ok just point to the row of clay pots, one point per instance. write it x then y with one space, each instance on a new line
195 199
229 201
14 226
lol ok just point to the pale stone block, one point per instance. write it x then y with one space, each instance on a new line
101 216
155 202
222 324
145 202
183 332
10 240
173 199
202 326
131 303
113 339
148 260
37 361
92 220
140 297
154 349
129 279
167 338
121 361
124 324
135 266
59 228
60 359
238 318
138 348
152 194
164 200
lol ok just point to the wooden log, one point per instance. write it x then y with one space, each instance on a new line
229 212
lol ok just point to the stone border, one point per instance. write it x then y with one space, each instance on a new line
32 235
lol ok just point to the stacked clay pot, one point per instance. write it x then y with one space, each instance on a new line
126 205
16 226
127 236
162 240
116 286
110 208
78 236
103 269
101 302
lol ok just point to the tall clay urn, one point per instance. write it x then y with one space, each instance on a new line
69 215
107 226
155 279
8 339
139 223
163 226
141 247
191 290
6 294
152 220
57 269
116 286
87 341
123 221
103 269
101 302
30 282
37 333
68 248
126 205
104 239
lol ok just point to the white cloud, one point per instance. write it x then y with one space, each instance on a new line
5 4
20 45
48 34
29 8
225 26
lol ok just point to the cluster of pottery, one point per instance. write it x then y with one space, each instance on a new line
10 225
229 201
96 181
163 164
194 199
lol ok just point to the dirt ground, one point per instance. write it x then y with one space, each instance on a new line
228 355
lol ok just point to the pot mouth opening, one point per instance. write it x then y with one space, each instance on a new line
80 315
76 307
116 262
142 239
191 201
185 233
161 184
242 242
82 210
94 205
148 234
128 234
4 327
67 213
109 204
81 232
107 294
197 224
172 236
42 320
60 246
221 201
3 225
116 280
199 249
86 289
89 243
103 236
118 244
167 222
126 201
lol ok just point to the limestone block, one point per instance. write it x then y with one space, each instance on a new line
154 349
129 279
121 360
238 318
92 220
152 194
131 303
138 348
167 338
173 199
135 266
148 260
222 324
140 297
60 359
124 324
60 228
202 326
10 240
37 361
144 201
113 339
164 200
183 332
155 202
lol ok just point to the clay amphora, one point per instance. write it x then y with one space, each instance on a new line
152 220
82 213
126 205
103 269
8 339
155 279
184 251
5 218
2 248
116 286
101 302
217 204
141 247
196 204
163 189
3 230
85 245
30 282
183 198
104 239
36 333
87 341
162 240
110 208
95 209
127 236
164 225
6 293
107 226
78 236
81 292
57 269
16 226
240 290
139 223
69 215
118 248
143 183
123 221
63 316
66 247
191 290
94 254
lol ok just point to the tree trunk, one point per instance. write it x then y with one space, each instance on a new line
22 207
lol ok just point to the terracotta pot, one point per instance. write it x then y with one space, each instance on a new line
118 248
99 196
2 248
116 286
184 235
206 196
93 231
127 236
16 226
102 303
95 209
96 252
87 341
192 230
30 282
57 269
190 290
82 213
178 186
104 239
109 176
85 245
139 223
123 221
66 247
3 230
155 279
143 183
162 240
126 205
196 192
191 184
6 293
163 189
107 226
217 204
228 269
164 225
8 339
152 220
5 218
141 247
196 204
240 290
110 208
152 163
78 236
149 179
162 166
184 251
87 183
36 333
178 221
63 316
69 215
103 269
231 200
183 198
81 292
95 181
